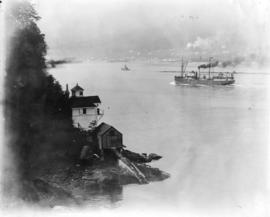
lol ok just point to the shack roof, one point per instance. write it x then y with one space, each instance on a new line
103 128
84 101
77 87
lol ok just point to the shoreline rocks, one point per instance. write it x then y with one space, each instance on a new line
140 158
77 185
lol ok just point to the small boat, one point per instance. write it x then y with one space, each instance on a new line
195 78
125 68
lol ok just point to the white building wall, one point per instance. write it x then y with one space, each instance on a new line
84 120
75 112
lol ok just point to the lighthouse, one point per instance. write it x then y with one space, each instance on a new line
85 109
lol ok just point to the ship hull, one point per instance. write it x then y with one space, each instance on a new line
210 82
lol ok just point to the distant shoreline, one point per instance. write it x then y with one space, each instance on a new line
54 63
252 73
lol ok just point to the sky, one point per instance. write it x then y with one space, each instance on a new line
115 28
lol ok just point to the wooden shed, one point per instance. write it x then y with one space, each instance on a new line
108 139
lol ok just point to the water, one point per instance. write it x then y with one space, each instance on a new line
213 139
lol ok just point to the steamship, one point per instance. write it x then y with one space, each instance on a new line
195 77
125 68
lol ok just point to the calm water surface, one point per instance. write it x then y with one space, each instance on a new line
213 139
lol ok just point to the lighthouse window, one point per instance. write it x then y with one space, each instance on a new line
84 110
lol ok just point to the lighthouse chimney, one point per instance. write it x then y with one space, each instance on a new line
67 91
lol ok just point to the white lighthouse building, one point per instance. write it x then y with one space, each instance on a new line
85 109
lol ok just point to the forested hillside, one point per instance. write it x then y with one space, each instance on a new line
37 112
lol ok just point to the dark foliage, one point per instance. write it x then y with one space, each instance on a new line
37 111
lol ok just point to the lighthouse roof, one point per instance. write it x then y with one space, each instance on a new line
86 101
76 88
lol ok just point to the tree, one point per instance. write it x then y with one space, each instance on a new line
25 81
37 111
